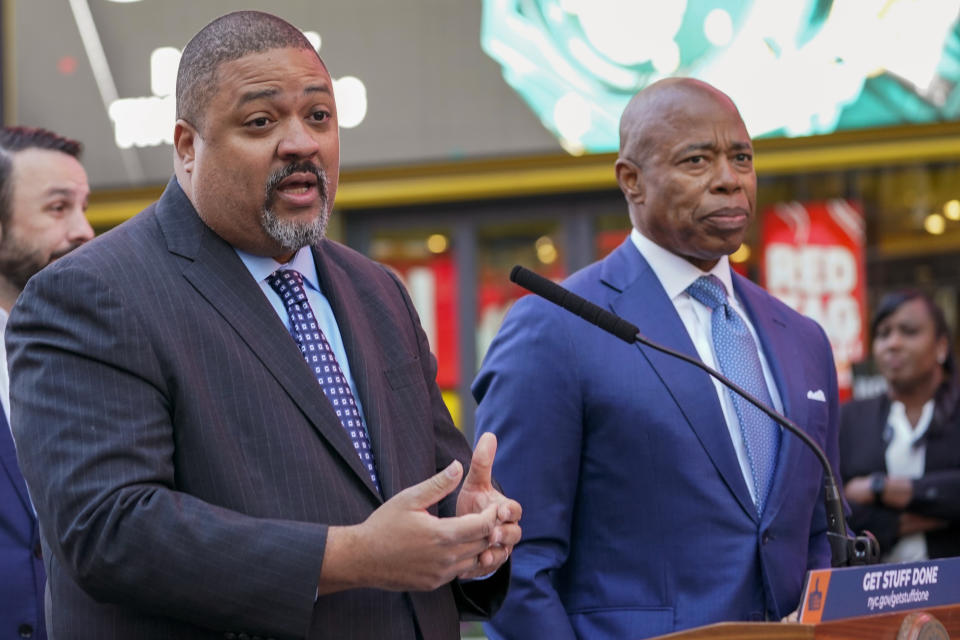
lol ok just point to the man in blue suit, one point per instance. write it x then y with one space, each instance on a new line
43 197
654 499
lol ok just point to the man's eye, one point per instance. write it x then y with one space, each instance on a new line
320 116
744 157
695 159
259 122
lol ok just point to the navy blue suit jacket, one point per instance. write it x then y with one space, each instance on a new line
21 569
637 519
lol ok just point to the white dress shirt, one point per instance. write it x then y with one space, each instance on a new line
906 455
676 274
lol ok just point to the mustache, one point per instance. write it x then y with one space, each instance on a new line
278 176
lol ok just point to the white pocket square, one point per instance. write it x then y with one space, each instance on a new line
816 395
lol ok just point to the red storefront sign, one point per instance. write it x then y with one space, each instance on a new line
432 285
813 260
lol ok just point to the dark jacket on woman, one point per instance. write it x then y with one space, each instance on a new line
863 443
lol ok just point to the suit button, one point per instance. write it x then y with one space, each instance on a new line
25 631
38 551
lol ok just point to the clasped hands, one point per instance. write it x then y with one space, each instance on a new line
897 494
479 496
402 547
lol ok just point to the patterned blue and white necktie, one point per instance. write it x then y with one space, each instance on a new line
739 360
305 330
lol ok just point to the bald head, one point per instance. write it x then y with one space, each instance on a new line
650 108
686 169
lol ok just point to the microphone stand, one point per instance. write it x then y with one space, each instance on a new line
845 550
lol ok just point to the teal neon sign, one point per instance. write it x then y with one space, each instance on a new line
794 68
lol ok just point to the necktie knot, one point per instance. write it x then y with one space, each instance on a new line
708 290
288 283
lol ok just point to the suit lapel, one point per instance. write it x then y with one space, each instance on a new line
780 349
643 301
355 324
218 274
8 460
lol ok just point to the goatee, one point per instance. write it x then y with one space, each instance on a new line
293 235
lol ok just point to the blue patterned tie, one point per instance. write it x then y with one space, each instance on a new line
740 361
319 356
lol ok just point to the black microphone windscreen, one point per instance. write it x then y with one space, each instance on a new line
570 301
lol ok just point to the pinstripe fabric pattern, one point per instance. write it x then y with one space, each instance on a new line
184 463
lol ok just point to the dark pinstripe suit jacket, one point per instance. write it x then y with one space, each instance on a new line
185 463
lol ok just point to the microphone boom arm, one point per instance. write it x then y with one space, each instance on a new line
844 549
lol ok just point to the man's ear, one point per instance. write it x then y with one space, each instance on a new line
630 179
184 144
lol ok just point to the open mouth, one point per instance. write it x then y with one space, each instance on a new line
297 185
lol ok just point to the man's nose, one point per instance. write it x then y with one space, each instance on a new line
726 179
298 141
80 230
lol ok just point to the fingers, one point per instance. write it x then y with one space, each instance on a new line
488 561
470 527
509 510
481 464
467 543
433 489
506 534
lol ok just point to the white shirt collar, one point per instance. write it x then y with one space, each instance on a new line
903 431
676 273
262 266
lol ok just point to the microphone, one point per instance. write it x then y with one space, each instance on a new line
844 549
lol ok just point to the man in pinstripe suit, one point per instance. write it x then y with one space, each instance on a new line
191 477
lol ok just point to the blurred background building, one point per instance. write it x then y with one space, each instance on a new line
479 135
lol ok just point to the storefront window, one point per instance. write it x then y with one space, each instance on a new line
424 258
536 245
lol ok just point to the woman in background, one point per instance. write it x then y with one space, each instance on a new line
900 452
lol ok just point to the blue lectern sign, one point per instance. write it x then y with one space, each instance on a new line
831 594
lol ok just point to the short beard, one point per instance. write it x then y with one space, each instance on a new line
293 235
19 262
